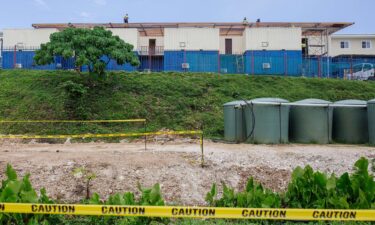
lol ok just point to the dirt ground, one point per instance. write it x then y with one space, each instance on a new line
176 166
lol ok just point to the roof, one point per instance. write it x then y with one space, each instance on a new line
353 36
156 29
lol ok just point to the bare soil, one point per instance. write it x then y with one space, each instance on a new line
176 166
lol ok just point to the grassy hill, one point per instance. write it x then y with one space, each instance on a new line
167 100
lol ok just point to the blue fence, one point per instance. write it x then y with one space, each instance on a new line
282 63
273 62
198 61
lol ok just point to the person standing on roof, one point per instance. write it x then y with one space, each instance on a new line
126 18
245 22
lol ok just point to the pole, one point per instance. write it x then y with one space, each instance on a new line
185 69
327 37
15 57
202 150
319 67
285 63
252 63
202 147
145 128
218 63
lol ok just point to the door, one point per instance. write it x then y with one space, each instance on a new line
152 46
228 46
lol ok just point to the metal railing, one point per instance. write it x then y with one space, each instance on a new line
147 50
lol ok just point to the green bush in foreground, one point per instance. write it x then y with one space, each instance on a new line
307 189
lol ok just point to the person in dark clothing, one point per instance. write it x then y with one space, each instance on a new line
126 18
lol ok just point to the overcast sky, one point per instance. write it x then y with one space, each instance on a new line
22 13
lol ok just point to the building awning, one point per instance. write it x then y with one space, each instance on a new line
156 29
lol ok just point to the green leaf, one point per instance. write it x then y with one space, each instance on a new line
129 198
331 183
95 199
11 173
155 195
29 196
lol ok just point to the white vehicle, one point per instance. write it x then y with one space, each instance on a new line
363 71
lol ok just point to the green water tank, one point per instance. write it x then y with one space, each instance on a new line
311 121
371 120
350 123
267 121
234 129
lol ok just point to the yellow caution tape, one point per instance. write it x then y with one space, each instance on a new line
74 121
97 135
191 212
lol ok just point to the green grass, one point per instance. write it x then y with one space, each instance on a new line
167 100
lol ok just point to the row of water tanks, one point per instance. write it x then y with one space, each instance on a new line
275 121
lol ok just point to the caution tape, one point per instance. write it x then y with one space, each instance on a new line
191 212
74 121
98 135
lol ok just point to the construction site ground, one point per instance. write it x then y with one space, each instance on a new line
175 165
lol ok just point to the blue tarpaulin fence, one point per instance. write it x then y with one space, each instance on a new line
282 63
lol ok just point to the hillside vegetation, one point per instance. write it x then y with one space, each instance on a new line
174 101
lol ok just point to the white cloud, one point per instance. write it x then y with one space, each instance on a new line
100 2
85 14
41 3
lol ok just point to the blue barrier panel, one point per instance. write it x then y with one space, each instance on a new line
153 63
112 65
232 64
273 62
173 60
26 59
199 61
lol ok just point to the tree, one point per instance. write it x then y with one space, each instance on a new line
93 48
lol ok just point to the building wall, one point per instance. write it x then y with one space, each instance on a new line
207 39
129 35
277 38
237 44
26 37
144 40
355 45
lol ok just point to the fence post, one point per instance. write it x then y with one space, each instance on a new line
15 57
145 127
218 63
252 63
285 63
319 68
351 67
185 70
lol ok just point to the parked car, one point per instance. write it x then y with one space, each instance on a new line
363 71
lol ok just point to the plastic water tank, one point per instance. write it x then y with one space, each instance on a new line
350 123
267 121
234 129
371 120
311 121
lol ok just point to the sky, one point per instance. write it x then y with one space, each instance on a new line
22 13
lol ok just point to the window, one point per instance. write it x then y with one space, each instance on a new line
182 44
366 44
344 44
367 67
265 44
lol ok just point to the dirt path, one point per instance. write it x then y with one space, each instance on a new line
175 166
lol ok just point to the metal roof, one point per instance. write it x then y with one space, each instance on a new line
156 29
353 36
350 102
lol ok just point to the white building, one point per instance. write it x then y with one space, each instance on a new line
352 45
253 48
